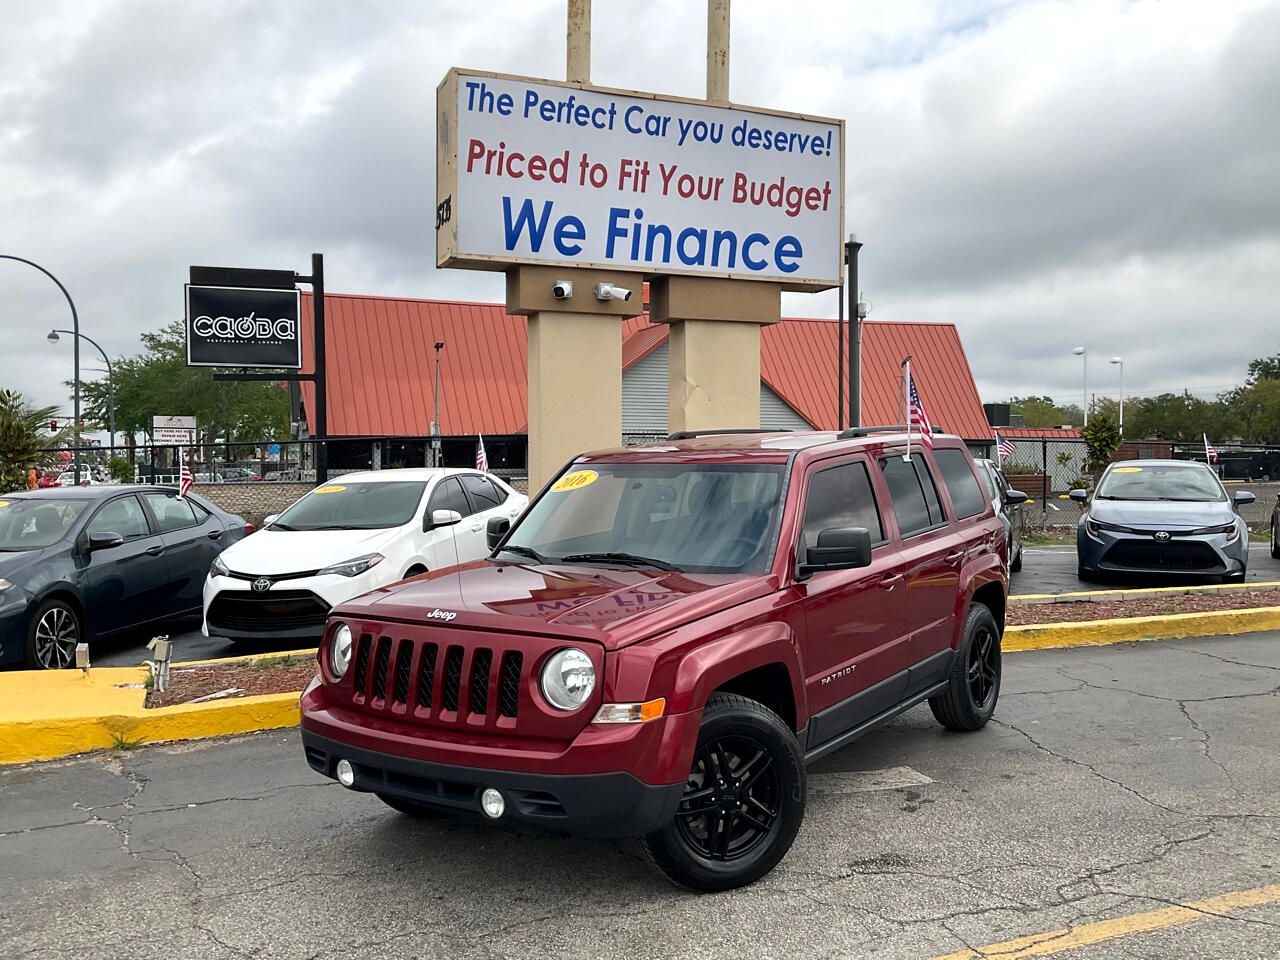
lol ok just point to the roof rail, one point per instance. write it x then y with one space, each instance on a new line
854 432
690 434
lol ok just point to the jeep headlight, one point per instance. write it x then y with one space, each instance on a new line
353 567
568 679
340 650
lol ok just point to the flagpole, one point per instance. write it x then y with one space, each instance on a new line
906 401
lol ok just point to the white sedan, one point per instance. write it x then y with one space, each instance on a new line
345 538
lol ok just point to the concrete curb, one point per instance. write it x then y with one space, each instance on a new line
1086 596
1088 633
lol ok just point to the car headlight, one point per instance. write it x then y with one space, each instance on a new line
568 679
4 584
340 651
1230 529
219 568
354 567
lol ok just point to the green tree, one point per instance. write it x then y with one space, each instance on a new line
1258 407
158 382
1043 412
1264 368
23 439
1101 438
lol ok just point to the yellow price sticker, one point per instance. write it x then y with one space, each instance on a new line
1127 470
4 503
332 488
574 481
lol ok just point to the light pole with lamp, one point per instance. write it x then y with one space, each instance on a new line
438 456
1119 361
111 385
1083 354
75 323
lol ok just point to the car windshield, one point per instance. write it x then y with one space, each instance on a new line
33 524
365 505
1181 481
708 518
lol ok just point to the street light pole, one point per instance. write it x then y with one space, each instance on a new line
1083 354
75 323
111 384
435 411
1119 361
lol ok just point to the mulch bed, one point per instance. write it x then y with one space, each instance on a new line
251 677
1155 606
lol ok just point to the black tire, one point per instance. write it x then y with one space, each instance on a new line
1275 541
1015 562
412 808
974 685
52 635
722 845
1083 575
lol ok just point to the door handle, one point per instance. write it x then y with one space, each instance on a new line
476 528
890 581
215 534
155 551
954 558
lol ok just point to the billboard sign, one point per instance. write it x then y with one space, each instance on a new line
243 327
534 171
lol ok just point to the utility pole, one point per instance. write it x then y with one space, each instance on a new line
856 316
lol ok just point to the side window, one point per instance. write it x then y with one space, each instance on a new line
966 495
915 499
483 493
841 497
448 495
172 513
123 516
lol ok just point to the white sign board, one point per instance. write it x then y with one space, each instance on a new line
173 429
531 171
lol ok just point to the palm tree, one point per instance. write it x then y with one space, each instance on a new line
23 442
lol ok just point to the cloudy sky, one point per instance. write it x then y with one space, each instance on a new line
1044 174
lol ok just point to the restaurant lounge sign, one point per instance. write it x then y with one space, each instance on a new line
533 171
243 327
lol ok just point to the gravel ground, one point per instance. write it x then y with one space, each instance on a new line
252 677
1073 611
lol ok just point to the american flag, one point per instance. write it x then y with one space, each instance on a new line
184 475
482 458
1004 448
917 419
1210 454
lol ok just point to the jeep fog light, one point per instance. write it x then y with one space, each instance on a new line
631 712
340 651
568 679
346 773
492 804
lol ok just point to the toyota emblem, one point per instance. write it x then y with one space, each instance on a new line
1161 535
262 584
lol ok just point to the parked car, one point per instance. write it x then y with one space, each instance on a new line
81 563
667 636
1007 503
238 475
360 532
67 478
1275 529
1161 517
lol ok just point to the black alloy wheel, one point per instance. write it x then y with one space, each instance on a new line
973 687
743 801
1275 540
53 636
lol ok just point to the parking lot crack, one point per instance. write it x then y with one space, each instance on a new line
1205 743
1238 663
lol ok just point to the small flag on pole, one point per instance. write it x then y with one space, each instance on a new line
1004 448
1210 454
482 458
184 475
917 419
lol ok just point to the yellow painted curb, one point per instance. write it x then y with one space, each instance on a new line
1037 599
310 652
1087 633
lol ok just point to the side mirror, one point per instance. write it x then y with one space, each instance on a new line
496 529
1079 496
442 518
1244 496
104 541
268 521
1014 497
838 548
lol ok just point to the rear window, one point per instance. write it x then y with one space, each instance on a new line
966 495
914 496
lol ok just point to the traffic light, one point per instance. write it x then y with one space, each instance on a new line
53 425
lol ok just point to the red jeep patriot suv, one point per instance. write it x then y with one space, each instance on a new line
667 636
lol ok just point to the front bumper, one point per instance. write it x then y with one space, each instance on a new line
615 804
1111 551
293 608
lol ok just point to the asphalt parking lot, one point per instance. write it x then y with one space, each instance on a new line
1115 781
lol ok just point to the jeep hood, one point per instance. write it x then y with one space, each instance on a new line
611 606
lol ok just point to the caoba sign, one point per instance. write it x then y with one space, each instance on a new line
243 327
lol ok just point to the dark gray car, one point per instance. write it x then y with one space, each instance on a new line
1161 517
79 563
1008 506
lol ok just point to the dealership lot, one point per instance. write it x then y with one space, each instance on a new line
1114 782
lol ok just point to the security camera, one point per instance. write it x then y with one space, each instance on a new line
562 289
607 291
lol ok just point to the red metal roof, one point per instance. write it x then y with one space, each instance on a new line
381 368
1038 433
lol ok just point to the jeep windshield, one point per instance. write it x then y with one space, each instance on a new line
1190 482
704 518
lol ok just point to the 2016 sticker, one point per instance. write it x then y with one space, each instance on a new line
1127 470
332 488
574 481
